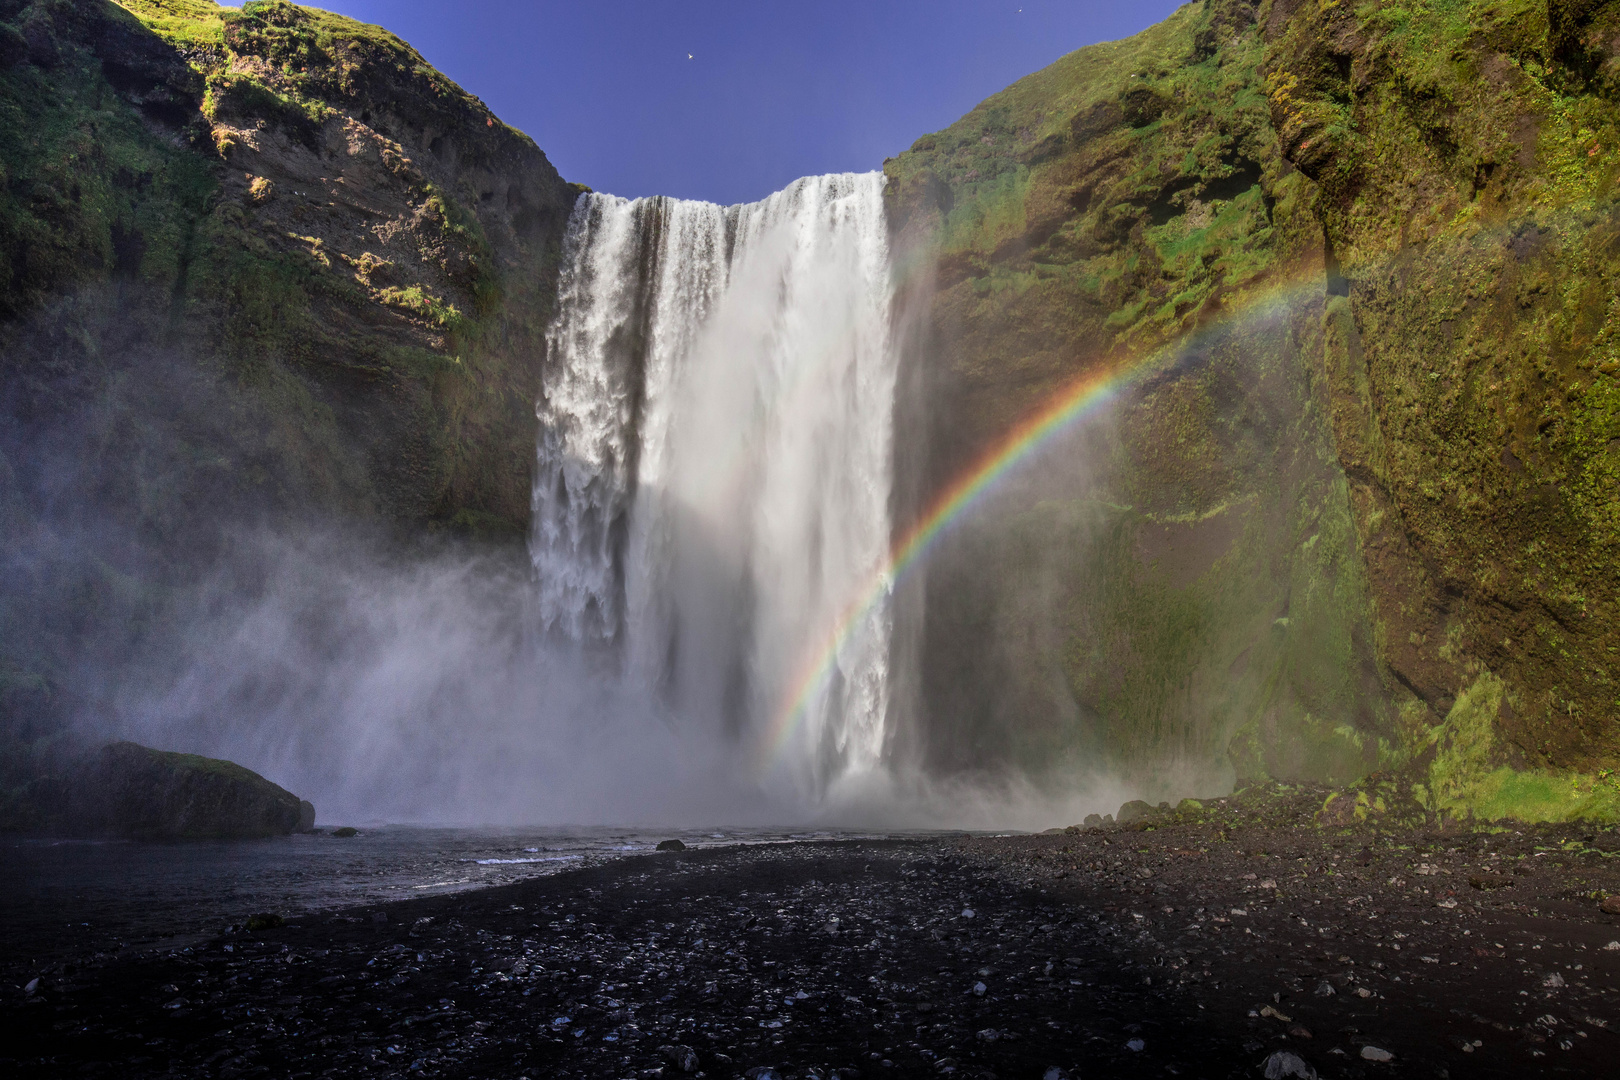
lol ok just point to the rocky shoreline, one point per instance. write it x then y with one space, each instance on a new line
1227 946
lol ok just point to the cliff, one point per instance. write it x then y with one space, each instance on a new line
1342 276
1351 509
357 255
1175 593
261 265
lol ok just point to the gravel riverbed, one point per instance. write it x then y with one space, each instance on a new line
1207 949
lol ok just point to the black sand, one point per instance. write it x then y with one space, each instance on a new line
1182 951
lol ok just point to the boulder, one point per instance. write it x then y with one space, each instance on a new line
1136 810
132 791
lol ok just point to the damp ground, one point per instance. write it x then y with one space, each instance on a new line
1189 950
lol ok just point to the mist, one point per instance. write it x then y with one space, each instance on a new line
416 689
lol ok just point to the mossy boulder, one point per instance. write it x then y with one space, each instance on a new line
131 791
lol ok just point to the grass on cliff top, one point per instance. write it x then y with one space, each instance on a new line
185 23
319 51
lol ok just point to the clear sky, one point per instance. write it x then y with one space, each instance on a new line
773 90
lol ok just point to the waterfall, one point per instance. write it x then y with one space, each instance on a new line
712 487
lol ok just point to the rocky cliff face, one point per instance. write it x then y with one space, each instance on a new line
1176 592
1352 505
261 264
1466 164
327 227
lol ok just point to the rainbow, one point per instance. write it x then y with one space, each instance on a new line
1069 404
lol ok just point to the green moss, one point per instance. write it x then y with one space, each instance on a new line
414 300
89 189
191 24
1467 776
1194 610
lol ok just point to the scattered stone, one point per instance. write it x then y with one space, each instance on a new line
1135 1044
1554 981
1375 1053
1283 1064
32 987
345 832
1613 946
731 939
1610 905
671 845
264 920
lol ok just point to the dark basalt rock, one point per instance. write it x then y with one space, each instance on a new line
129 790
671 845
1136 810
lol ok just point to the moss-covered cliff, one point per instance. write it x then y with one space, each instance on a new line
344 240
1466 157
1177 591
259 264
1351 267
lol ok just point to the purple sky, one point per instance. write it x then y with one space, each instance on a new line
774 90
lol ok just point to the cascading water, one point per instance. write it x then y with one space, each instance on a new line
715 458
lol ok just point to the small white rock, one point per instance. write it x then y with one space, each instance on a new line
1374 1053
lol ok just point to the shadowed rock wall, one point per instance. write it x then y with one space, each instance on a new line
261 266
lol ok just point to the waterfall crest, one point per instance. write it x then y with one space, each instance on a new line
714 468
